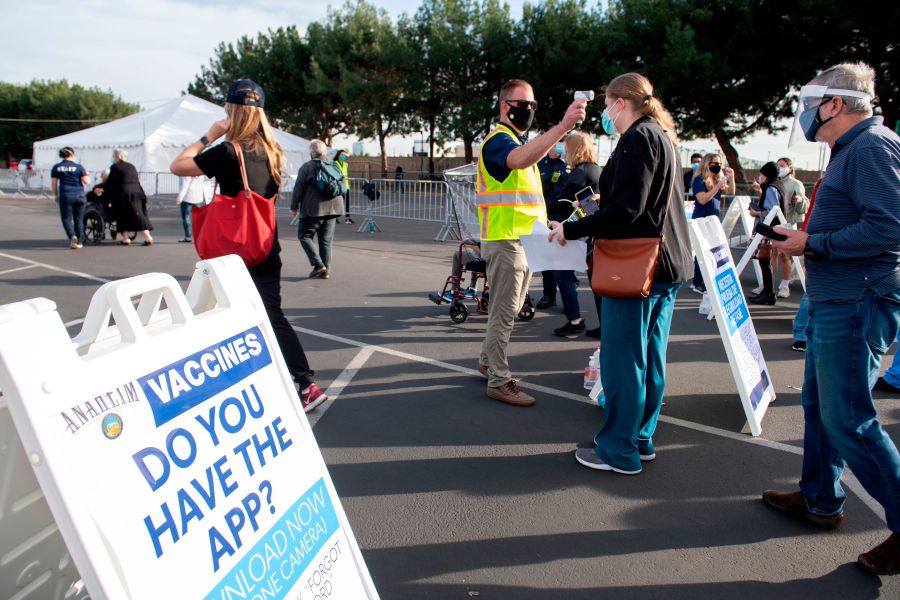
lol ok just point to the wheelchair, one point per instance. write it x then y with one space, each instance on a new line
99 221
457 297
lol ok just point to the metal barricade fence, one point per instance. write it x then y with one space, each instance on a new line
410 200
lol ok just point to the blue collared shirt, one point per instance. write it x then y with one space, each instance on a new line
496 150
855 222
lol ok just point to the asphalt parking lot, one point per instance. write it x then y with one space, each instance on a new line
452 495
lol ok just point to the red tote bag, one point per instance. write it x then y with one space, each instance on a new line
242 225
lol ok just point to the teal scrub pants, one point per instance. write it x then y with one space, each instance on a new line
635 333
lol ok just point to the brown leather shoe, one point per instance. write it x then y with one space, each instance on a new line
794 503
510 393
883 559
483 369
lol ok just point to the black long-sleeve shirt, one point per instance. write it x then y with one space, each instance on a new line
635 190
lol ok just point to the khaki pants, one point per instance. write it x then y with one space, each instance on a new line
508 277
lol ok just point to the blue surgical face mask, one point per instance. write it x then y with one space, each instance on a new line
609 123
559 149
811 123
695 166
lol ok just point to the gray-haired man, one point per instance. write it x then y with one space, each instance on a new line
318 213
852 249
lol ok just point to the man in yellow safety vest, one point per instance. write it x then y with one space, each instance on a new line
509 202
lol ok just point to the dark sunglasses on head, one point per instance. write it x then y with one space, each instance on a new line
522 103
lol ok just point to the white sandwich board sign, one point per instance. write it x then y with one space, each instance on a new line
171 446
733 318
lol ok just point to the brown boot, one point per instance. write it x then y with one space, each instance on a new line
510 393
883 559
794 503
482 369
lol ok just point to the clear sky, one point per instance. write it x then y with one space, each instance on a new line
150 50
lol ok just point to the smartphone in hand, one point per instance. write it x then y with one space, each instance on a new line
586 200
770 233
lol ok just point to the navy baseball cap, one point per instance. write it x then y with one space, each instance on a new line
246 93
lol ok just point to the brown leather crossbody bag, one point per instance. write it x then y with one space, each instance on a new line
627 268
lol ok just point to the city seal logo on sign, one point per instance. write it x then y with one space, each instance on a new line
111 425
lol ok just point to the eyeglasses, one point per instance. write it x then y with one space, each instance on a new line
809 103
522 103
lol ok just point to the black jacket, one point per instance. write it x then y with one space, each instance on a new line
636 186
581 176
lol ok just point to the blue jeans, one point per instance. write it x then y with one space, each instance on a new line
801 319
71 211
568 291
634 337
186 209
892 375
319 255
845 343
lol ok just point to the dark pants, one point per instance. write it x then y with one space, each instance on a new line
549 280
268 284
698 277
319 255
765 265
71 211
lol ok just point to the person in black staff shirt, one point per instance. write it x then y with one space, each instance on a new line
248 126
553 177
640 197
68 178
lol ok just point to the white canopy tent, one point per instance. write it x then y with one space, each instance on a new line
153 138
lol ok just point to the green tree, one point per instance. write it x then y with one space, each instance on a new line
279 61
870 36
731 69
46 109
372 61
563 47
489 58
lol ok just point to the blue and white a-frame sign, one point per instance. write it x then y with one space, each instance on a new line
170 444
733 318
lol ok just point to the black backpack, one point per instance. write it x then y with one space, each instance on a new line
329 179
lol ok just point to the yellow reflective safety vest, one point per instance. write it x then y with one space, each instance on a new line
508 209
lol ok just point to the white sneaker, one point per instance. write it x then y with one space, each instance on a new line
73 243
784 291
757 290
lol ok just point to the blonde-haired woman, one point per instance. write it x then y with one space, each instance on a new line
248 127
582 159
640 197
712 179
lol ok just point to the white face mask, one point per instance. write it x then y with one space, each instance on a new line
783 171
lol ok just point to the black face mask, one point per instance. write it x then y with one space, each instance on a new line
714 169
521 118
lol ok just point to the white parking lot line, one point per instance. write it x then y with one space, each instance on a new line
340 382
18 269
53 268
